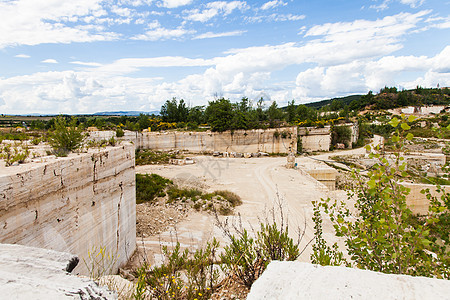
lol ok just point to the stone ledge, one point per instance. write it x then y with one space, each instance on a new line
297 280
35 273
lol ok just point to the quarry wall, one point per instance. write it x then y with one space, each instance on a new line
73 204
315 139
418 202
282 140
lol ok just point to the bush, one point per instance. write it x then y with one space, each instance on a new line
119 132
246 257
148 187
378 232
15 153
150 157
183 274
341 135
65 137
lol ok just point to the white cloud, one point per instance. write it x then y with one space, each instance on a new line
213 9
22 56
273 4
412 3
49 61
156 32
174 3
129 65
385 4
87 64
336 59
34 22
209 35
161 33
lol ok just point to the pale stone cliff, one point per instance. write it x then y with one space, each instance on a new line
76 204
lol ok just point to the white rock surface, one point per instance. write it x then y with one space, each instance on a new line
76 204
35 273
297 280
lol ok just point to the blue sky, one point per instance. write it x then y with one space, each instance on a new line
85 56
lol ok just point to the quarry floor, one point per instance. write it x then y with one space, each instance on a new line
261 183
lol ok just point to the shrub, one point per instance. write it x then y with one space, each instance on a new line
183 274
65 137
246 257
150 157
378 233
15 153
148 187
119 132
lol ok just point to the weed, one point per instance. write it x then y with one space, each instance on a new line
148 187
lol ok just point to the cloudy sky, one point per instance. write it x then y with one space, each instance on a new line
84 56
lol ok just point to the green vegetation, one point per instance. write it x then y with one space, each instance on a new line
341 135
222 202
64 137
148 187
183 274
14 153
381 233
150 157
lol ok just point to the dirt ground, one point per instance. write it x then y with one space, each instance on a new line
261 183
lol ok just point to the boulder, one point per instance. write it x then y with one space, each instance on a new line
298 280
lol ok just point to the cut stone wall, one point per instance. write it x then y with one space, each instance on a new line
73 204
418 202
315 139
242 141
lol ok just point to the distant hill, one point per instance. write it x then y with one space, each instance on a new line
131 113
345 100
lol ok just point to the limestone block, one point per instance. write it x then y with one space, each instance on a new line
297 280
75 204
35 273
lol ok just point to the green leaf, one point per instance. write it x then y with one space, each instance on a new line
409 136
405 126
371 183
394 122
411 118
395 138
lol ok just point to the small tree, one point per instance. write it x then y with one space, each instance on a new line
65 137
378 233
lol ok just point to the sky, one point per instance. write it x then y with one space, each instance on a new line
87 56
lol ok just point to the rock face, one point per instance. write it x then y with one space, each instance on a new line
34 273
76 204
242 141
296 280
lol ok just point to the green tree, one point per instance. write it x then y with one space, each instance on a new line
378 232
174 111
291 111
66 137
219 114
274 112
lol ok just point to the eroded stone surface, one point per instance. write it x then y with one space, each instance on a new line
77 204
297 280
35 273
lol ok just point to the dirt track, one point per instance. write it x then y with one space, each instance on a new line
257 181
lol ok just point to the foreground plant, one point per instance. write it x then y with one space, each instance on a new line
14 153
183 274
378 232
249 253
65 137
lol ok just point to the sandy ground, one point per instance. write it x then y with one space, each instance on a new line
261 183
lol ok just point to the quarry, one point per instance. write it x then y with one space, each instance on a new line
78 214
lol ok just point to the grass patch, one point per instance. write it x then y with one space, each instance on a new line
148 187
435 180
150 157
221 201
